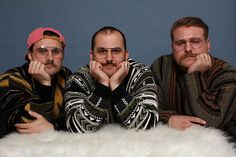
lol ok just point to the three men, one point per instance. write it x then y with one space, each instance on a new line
31 96
112 89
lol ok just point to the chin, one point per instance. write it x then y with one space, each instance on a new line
52 71
187 63
110 72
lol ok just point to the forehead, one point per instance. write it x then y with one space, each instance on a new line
109 40
48 42
188 32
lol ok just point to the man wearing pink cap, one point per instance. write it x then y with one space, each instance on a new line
31 96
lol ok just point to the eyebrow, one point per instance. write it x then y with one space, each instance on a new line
188 39
109 48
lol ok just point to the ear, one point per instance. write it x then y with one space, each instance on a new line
208 45
172 47
29 54
91 55
126 55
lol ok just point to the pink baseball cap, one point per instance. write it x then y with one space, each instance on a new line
38 34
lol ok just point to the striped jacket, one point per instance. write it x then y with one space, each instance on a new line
133 104
210 96
19 92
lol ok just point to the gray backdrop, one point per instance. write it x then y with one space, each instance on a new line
146 24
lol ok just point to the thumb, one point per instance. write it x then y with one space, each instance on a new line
34 114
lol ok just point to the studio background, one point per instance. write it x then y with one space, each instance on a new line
146 24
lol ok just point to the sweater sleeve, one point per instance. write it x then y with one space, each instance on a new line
213 97
17 97
85 102
137 105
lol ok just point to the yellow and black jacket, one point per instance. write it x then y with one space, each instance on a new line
19 93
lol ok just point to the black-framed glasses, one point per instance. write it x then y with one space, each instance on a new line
43 51
195 43
102 53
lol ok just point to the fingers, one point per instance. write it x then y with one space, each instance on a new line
125 66
38 72
197 120
181 122
24 128
35 67
94 66
36 126
35 115
204 59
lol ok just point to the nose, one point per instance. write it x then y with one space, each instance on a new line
49 55
109 56
188 47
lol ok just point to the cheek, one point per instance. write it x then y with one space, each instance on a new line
58 62
176 56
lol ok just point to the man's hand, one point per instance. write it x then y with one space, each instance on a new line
119 75
38 125
202 63
37 71
96 71
180 122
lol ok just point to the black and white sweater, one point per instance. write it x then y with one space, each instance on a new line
133 104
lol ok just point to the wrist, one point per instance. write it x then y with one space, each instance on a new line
113 86
46 83
105 83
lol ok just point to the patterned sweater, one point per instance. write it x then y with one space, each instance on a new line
19 93
133 104
210 96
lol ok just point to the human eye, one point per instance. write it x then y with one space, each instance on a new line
56 51
196 41
116 50
42 50
102 51
180 42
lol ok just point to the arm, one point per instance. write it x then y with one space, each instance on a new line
85 102
212 95
16 96
137 105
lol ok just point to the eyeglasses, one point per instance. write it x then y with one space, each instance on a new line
43 52
195 43
102 53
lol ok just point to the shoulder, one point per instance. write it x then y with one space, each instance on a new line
17 77
220 66
137 65
139 69
221 63
65 72
163 60
82 74
19 72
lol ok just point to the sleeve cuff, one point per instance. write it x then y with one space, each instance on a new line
120 98
102 91
44 91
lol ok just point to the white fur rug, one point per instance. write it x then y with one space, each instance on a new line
113 141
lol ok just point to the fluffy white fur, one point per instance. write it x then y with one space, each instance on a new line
113 141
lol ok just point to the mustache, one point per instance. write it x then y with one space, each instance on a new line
50 63
187 55
109 63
